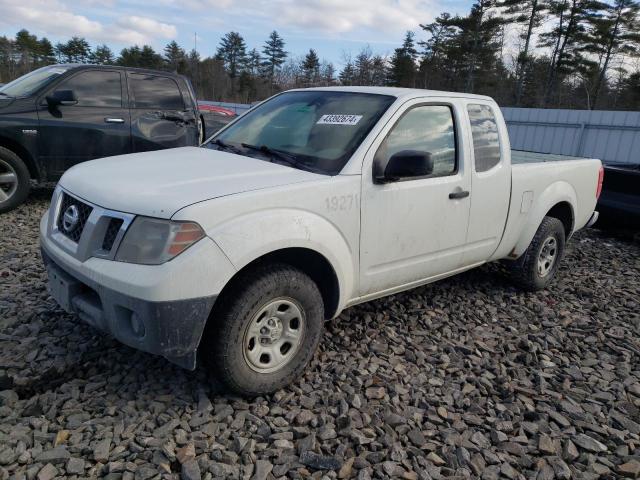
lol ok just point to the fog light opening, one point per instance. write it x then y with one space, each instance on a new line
137 325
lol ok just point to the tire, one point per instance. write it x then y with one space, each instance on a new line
534 270
16 188
262 299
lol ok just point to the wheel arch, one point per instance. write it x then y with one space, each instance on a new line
559 201
563 211
24 155
309 261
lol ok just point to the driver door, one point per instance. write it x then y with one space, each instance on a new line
96 126
414 228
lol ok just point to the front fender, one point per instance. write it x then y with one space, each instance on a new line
250 236
555 193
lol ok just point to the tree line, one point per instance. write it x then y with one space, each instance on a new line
529 53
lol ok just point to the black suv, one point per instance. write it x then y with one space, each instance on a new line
57 116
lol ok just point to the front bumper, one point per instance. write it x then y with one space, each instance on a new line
171 329
160 309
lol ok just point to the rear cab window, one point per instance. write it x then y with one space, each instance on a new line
486 137
155 92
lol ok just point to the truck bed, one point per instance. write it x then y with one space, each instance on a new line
536 182
522 156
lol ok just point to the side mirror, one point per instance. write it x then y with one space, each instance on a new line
406 164
62 97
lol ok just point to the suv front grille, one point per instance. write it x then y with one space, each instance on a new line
72 217
111 233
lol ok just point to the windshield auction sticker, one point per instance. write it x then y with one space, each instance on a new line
339 119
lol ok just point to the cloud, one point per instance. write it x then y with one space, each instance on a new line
339 16
325 16
53 17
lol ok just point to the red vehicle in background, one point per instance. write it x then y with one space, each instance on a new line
214 117
205 107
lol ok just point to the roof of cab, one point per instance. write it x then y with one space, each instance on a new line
88 66
406 93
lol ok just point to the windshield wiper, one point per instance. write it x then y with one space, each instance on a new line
222 145
2 93
279 154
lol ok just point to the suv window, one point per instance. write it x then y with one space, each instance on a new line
151 91
426 128
95 88
486 140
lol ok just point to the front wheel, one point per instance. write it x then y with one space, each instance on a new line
538 265
15 181
265 329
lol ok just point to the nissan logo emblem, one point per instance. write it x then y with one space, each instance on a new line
70 218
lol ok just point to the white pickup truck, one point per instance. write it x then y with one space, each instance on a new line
313 201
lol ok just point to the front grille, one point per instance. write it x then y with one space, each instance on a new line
71 221
112 232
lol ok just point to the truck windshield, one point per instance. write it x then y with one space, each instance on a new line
315 130
31 82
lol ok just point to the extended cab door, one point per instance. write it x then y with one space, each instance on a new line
161 117
491 179
96 126
415 228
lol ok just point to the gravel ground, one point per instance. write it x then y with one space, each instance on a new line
462 379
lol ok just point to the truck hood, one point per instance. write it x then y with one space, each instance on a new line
159 183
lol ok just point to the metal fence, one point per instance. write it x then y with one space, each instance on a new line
239 108
609 136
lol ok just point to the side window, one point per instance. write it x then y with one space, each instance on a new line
426 129
486 140
151 91
95 88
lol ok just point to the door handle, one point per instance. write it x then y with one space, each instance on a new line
113 120
459 195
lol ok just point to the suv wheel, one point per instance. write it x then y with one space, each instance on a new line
266 330
15 180
537 266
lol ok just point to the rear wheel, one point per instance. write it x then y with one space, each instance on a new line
15 180
266 329
538 265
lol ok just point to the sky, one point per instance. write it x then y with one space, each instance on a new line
334 28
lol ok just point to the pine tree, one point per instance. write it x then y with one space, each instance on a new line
311 67
76 50
27 45
129 57
145 57
567 38
174 57
528 13
46 53
348 74
149 58
274 55
254 62
477 42
327 74
617 32
102 55
233 52
434 67
403 63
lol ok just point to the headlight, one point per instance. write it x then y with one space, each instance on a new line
153 241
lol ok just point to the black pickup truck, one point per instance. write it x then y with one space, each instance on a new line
61 115
619 204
